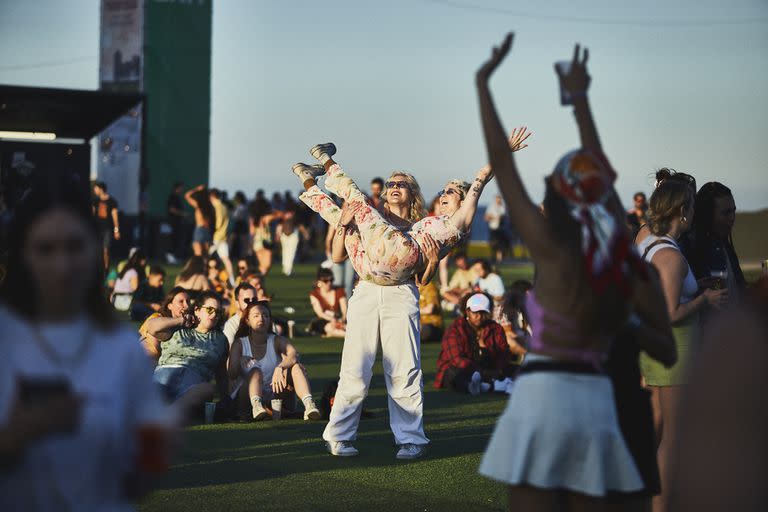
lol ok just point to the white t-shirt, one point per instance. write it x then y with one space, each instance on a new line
123 284
230 328
85 470
494 213
492 285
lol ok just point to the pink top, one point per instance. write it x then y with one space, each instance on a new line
542 320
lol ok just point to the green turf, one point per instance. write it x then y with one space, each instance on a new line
282 465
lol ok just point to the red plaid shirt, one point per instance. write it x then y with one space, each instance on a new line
460 348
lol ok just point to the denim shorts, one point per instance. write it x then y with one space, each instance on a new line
202 235
174 381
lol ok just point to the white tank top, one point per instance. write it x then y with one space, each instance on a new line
690 287
266 364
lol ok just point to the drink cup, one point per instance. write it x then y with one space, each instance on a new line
291 325
153 440
210 412
277 409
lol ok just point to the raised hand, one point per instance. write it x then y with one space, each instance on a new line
348 212
576 80
517 137
497 55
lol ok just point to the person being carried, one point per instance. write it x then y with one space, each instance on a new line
268 364
390 255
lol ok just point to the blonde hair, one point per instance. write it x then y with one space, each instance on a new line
665 204
462 185
417 211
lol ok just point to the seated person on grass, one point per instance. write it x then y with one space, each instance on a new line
330 306
268 365
431 313
194 351
459 286
474 352
244 295
149 296
174 305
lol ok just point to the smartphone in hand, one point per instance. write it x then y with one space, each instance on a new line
563 68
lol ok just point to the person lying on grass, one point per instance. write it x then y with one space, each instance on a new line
268 364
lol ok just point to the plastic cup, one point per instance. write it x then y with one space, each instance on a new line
277 409
153 448
210 412
291 324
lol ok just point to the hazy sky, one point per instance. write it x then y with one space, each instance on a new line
680 85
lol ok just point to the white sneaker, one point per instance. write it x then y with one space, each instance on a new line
510 387
307 172
410 451
474 384
171 259
341 448
317 151
259 412
500 386
311 412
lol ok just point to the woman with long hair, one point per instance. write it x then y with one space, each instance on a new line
261 231
329 304
670 216
710 249
268 364
558 445
194 276
205 219
175 305
128 280
76 395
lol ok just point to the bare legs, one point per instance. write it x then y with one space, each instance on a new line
665 404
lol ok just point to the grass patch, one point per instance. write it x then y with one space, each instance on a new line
283 465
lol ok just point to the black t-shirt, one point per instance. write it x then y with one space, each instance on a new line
103 209
174 202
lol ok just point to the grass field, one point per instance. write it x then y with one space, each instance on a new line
283 465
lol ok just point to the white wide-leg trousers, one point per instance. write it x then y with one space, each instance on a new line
389 314
289 244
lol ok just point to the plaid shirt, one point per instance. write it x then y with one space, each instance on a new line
460 348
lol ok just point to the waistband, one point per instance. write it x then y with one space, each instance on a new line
561 367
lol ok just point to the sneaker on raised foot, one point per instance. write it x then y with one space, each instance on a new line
259 412
474 384
329 149
410 451
307 172
341 448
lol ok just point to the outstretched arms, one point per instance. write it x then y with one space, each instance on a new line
529 222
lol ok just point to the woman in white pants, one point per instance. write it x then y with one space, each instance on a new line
386 314
288 235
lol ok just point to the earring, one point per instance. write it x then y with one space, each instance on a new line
684 219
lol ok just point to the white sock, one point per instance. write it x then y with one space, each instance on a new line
255 400
324 158
307 400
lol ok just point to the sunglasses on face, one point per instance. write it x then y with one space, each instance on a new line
326 280
449 192
398 184
210 310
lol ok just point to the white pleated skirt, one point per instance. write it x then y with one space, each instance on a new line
560 431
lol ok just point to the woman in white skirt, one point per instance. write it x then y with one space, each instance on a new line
558 444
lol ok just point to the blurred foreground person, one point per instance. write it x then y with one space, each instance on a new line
722 439
79 415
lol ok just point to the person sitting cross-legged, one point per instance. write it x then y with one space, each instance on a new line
268 364
475 352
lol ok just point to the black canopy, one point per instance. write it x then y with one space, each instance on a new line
69 113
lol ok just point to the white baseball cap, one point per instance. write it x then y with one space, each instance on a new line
479 302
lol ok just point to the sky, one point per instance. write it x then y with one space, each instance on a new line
679 84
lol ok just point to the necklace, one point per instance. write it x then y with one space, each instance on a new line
55 357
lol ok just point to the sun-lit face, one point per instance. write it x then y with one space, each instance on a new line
450 200
398 191
244 298
179 304
723 217
259 319
156 280
208 314
60 253
478 319
325 283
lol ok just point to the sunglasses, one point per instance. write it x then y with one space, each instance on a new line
449 192
326 280
252 300
398 184
210 310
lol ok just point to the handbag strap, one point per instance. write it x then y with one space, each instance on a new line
660 241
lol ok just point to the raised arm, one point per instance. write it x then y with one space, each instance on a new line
576 82
188 196
523 213
163 328
462 218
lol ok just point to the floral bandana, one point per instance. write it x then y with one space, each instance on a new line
585 181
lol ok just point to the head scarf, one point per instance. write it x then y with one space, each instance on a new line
585 181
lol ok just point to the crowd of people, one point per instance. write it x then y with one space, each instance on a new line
599 355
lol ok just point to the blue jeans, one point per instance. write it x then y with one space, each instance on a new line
174 381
